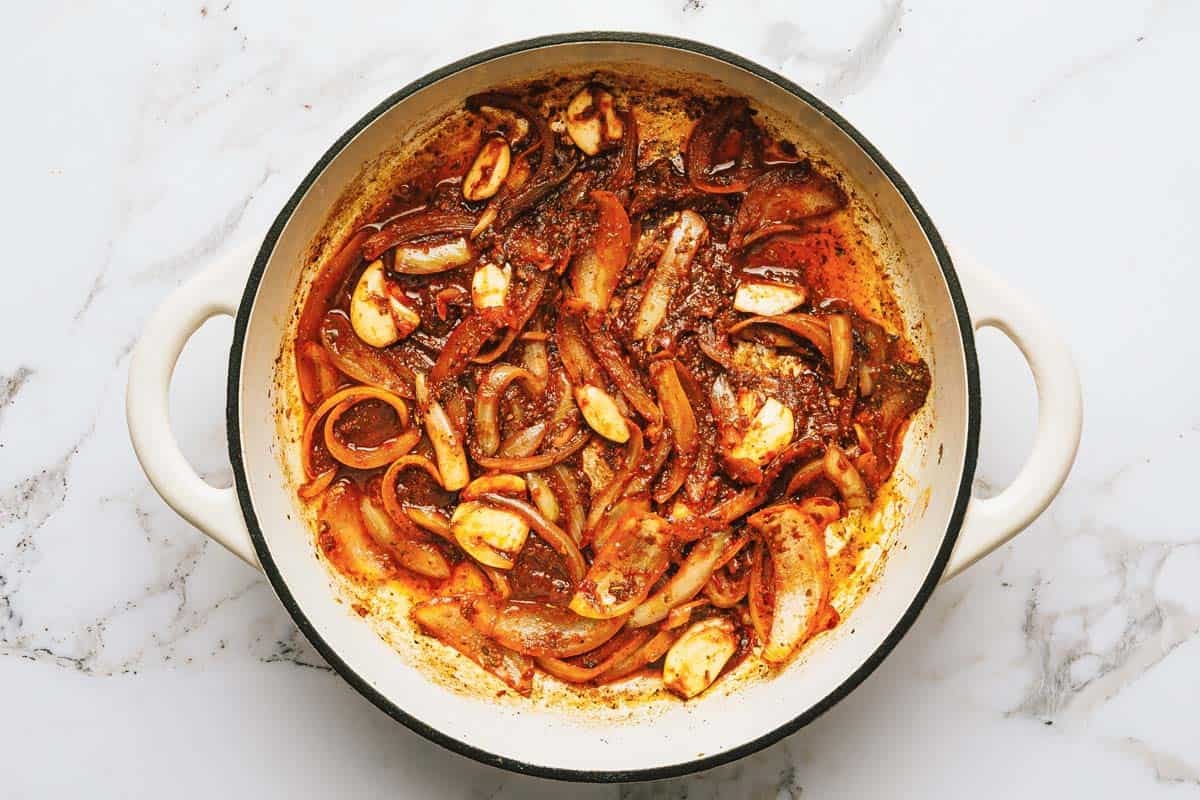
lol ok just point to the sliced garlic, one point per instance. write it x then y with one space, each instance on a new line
492 536
592 120
490 168
698 656
497 483
377 316
770 431
426 259
489 286
767 299
601 413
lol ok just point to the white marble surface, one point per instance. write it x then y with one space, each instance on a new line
1058 142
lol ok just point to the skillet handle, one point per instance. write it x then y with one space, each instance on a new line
216 512
992 521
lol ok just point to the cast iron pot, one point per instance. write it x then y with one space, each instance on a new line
944 530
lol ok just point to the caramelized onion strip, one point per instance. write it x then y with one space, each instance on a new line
487 402
535 462
550 533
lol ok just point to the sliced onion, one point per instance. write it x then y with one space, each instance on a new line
625 568
625 507
681 614
781 200
806 474
845 476
345 541
651 651
535 462
463 344
725 592
487 402
795 536
543 497
627 644
429 519
316 373
415 225
760 597
550 533
466 578
595 270
444 619
625 170
577 359
612 358
570 500
651 466
707 138
398 510
752 497
423 558
494 483
447 441
814 329
368 457
535 357
682 421
523 443
359 360
842 348
687 581
616 487
686 238
539 629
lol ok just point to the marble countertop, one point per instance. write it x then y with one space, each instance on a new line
1051 140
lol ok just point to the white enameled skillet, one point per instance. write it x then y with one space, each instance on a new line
943 531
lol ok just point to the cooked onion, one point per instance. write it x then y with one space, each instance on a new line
415 225
446 440
811 328
845 476
651 651
445 619
616 487
612 358
366 457
842 348
423 558
539 629
625 568
595 270
688 234
359 360
523 443
387 489
316 373
725 592
577 359
550 533
709 140
487 402
463 344
781 200
628 643
570 500
795 536
535 462
687 581
543 497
